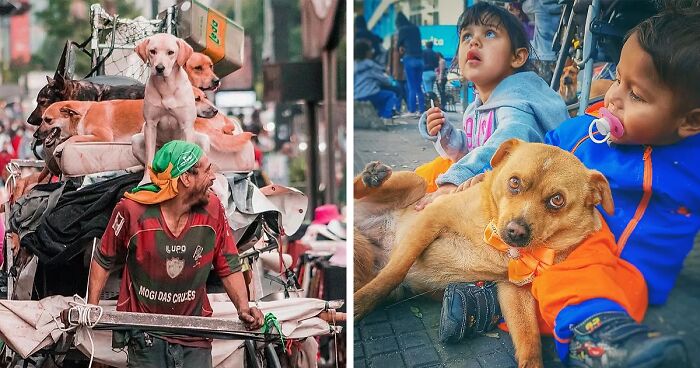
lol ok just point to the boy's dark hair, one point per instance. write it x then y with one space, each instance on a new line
429 44
361 50
672 39
486 14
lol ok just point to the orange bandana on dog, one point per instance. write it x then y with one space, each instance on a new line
524 265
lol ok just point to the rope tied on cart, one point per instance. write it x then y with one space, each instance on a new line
15 173
84 311
271 323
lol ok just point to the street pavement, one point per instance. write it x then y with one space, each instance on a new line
405 334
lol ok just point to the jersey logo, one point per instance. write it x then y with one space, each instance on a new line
118 223
197 254
174 266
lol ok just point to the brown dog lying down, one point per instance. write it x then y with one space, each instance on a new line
119 120
536 195
199 71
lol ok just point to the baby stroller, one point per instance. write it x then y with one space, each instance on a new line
594 30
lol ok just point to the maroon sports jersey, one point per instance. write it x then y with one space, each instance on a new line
163 273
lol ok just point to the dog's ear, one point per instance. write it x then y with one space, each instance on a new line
184 52
49 80
505 149
600 192
59 81
142 50
69 112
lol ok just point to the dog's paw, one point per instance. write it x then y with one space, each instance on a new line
375 173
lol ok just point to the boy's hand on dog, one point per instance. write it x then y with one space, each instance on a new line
470 182
430 197
435 120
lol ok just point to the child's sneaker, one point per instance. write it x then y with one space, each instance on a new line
614 339
468 309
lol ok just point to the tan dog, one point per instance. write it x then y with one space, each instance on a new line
119 120
200 71
168 108
568 83
106 121
537 195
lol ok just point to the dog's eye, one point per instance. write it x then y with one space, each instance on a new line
514 185
198 67
198 99
170 52
556 202
47 120
153 52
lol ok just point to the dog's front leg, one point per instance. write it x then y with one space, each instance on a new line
150 131
202 140
425 228
519 310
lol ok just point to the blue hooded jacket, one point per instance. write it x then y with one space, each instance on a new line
657 202
521 106
369 78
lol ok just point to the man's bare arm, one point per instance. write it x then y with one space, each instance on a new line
96 282
235 287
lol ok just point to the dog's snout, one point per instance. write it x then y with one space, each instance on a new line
216 82
567 80
517 233
160 68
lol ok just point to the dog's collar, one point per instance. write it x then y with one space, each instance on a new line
523 265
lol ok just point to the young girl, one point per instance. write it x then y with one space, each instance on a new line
511 100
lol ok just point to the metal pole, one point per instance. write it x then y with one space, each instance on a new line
563 50
329 87
312 167
589 43
154 9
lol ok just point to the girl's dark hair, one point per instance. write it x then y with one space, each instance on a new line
671 38
485 14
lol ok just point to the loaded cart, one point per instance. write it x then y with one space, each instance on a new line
54 228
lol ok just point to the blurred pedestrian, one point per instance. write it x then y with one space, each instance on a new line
441 75
547 16
362 33
430 65
516 8
396 71
371 83
409 40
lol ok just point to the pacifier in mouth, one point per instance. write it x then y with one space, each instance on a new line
607 125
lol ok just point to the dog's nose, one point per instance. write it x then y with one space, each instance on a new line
160 68
216 82
567 80
517 233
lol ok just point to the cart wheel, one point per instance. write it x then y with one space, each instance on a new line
250 355
273 361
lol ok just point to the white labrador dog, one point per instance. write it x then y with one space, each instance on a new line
169 107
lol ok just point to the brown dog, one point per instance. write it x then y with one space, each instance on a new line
96 89
105 121
568 83
536 196
200 71
119 120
